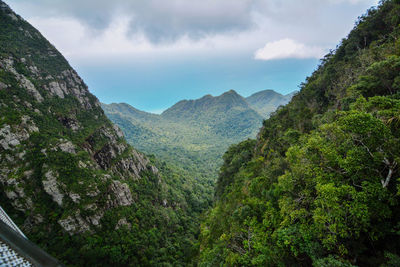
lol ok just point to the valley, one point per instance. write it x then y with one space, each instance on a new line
311 178
194 134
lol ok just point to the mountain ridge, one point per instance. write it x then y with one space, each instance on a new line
191 134
263 94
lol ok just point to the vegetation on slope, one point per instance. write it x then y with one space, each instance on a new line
67 176
193 134
265 102
320 186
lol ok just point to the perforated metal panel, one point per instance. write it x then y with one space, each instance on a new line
17 250
8 257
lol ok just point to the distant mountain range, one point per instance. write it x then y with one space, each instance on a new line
193 134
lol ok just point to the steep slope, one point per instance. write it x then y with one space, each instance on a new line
320 186
67 176
265 102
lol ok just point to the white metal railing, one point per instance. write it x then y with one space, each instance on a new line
7 220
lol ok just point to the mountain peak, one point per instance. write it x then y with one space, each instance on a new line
230 92
268 93
266 101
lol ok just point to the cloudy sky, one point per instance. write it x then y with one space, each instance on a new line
153 53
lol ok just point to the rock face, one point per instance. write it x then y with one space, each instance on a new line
120 194
61 159
12 136
74 224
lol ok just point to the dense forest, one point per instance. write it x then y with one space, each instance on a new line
320 186
192 135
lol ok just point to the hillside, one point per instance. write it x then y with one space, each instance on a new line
321 184
194 134
265 102
69 179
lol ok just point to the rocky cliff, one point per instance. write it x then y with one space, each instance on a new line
66 172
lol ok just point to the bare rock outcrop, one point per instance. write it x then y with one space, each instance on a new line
8 65
123 223
119 194
74 224
51 186
10 137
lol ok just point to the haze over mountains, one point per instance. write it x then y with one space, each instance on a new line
194 134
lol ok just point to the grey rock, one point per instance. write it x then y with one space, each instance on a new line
28 85
95 219
3 86
120 194
118 131
82 165
17 195
7 64
28 124
93 193
74 224
75 197
4 6
28 34
27 104
34 70
21 155
55 89
9 140
67 146
13 17
122 222
50 185
91 207
153 169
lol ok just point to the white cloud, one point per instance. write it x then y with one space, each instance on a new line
79 42
353 2
288 48
95 30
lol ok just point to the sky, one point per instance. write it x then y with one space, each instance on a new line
154 53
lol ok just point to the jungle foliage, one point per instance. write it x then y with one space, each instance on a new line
321 186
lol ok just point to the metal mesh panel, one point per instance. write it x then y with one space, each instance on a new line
8 257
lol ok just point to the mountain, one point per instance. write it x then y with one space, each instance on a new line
320 186
69 179
227 115
193 134
265 102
